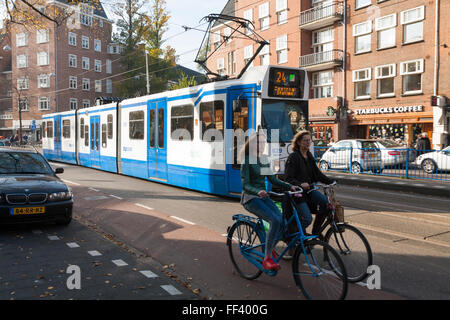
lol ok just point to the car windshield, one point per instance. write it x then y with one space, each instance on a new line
24 163
390 144
285 116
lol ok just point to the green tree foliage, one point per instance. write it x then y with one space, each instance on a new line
184 81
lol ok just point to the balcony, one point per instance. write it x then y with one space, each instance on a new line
322 60
322 16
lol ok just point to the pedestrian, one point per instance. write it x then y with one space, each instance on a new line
423 143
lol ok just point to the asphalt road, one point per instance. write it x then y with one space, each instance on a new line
184 231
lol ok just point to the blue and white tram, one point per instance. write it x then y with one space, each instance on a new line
141 137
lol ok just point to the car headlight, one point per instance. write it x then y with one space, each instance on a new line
60 196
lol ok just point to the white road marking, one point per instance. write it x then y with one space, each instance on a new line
120 263
53 238
95 198
171 289
70 182
111 195
94 253
148 274
93 189
37 231
143 206
183 220
72 245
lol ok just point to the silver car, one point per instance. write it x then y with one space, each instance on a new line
355 155
394 154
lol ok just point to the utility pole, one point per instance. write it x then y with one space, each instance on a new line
146 71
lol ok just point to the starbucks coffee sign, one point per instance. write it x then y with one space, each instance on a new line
383 110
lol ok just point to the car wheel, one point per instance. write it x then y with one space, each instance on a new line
356 168
323 165
65 221
429 166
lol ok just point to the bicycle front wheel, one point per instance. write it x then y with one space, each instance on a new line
353 248
319 271
243 243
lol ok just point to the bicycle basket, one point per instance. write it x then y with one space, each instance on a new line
339 212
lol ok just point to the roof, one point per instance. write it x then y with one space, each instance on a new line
228 10
98 7
189 72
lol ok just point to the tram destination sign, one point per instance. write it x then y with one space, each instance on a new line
286 83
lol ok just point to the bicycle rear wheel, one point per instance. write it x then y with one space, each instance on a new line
353 248
243 239
315 271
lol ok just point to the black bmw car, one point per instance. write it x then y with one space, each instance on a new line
30 191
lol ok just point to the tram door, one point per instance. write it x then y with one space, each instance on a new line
157 140
57 137
95 141
241 108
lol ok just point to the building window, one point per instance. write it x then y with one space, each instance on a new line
412 21
108 86
248 14
72 82
21 39
44 103
86 103
42 36
231 62
322 40
385 27
362 34
85 63
97 45
72 61
73 104
98 65
22 61
85 42
227 35
86 84
282 49
385 80
411 72
221 66
182 123
362 3
100 23
264 55
216 39
322 83
264 16
43 81
361 80
86 12
108 66
248 53
24 104
72 39
98 85
42 59
281 10
22 83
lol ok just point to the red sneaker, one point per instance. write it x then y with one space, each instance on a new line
269 264
274 255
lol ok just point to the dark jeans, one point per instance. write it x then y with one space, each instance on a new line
266 209
316 198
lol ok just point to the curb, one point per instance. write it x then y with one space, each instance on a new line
433 188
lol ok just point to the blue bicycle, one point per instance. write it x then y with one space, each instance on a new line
317 268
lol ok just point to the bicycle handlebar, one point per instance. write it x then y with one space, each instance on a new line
289 192
316 185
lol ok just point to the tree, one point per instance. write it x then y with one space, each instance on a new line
184 82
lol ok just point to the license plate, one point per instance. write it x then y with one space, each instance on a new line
27 210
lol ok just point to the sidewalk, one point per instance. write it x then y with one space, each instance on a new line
420 186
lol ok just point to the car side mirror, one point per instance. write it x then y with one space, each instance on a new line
59 170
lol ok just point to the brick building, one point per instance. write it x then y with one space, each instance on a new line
372 64
61 67
5 86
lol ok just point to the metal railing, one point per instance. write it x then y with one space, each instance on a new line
334 55
321 12
401 162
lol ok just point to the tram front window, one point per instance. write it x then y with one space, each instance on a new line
286 116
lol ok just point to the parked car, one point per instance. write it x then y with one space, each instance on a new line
320 146
431 162
356 155
394 154
30 191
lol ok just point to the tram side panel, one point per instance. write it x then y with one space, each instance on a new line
108 142
47 138
67 153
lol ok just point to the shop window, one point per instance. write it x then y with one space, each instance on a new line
385 80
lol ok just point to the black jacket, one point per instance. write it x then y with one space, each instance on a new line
423 144
296 170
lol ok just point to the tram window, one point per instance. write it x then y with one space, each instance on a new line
92 136
182 122
82 128
49 129
152 128
110 126
44 129
97 136
66 129
86 135
211 117
161 123
104 135
136 125
240 121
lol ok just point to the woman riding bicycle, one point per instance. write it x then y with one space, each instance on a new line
255 168
301 170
